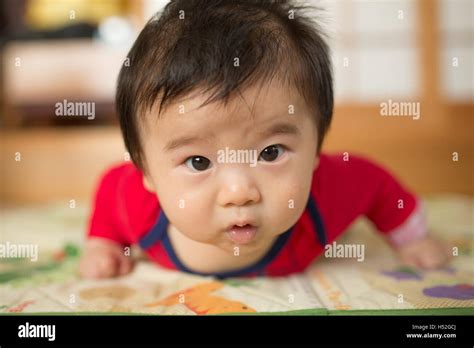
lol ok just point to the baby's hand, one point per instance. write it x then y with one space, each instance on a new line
426 252
104 259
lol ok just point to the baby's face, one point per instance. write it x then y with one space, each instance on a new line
215 194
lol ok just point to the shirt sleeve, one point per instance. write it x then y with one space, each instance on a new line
395 211
103 221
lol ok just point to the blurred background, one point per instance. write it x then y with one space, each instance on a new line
405 51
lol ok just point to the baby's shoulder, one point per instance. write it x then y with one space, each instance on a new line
122 193
122 184
120 178
345 162
346 173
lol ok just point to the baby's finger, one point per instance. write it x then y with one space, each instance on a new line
87 269
409 261
107 266
126 266
431 261
448 250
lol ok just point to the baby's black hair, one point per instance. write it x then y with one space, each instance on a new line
193 44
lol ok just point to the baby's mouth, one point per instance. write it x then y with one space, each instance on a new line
242 234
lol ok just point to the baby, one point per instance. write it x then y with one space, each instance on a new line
223 107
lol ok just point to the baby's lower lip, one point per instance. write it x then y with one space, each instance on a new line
242 235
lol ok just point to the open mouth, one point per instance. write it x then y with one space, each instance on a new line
242 234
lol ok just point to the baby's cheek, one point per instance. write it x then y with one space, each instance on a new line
191 217
286 206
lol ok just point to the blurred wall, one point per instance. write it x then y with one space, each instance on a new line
384 52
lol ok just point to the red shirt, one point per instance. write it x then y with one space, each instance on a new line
341 191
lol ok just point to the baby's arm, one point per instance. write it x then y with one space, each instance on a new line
399 215
414 244
427 252
104 253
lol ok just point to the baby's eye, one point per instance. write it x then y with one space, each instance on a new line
271 153
198 163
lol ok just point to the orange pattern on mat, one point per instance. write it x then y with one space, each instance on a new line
200 300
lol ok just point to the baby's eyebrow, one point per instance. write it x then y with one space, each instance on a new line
182 141
275 129
281 128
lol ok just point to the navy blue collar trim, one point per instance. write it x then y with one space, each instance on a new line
255 268
156 233
159 233
317 220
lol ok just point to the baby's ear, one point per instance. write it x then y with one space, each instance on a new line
148 184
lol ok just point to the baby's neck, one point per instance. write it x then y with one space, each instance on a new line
206 258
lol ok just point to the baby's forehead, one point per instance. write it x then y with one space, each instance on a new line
255 101
253 114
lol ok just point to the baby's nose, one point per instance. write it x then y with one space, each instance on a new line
238 190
